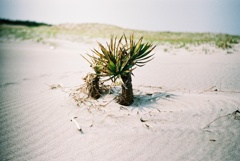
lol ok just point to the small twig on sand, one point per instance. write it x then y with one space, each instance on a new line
207 90
54 86
233 114
142 120
108 102
150 86
57 86
208 125
78 127
123 108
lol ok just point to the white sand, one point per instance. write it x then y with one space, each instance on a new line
175 100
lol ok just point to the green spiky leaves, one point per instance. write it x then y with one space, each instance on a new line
120 56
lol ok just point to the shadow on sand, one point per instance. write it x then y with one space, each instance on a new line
143 100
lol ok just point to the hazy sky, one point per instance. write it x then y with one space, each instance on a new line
219 16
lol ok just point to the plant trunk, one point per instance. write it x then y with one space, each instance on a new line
92 81
127 97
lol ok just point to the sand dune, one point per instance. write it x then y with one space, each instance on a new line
184 107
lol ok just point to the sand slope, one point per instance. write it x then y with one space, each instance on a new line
177 94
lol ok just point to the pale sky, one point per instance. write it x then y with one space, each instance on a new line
218 16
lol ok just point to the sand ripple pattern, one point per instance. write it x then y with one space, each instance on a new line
173 105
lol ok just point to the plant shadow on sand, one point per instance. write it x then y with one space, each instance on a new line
146 100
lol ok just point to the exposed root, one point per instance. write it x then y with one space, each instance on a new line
81 96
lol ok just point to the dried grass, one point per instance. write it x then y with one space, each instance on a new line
82 98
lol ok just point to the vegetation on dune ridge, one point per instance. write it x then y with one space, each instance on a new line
77 32
23 23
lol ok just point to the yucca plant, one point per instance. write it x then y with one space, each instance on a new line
118 60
